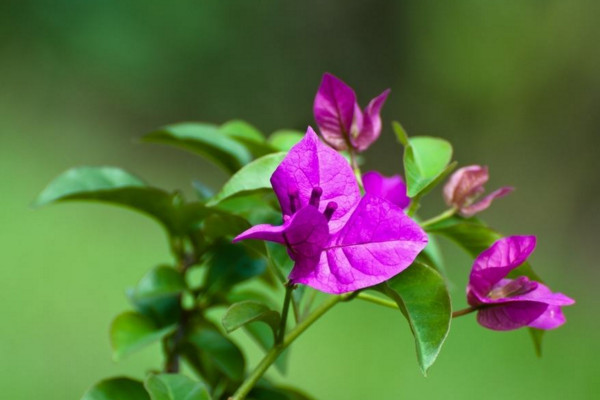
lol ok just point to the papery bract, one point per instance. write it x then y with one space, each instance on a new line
340 119
339 241
466 185
391 188
506 304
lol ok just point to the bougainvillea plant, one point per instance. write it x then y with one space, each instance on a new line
297 217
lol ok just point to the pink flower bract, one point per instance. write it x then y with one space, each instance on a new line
506 304
466 185
340 119
339 241
392 188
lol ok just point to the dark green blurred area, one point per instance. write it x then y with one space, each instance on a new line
513 85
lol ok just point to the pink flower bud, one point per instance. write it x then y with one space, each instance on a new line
466 185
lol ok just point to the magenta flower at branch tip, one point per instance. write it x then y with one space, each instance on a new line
339 241
392 188
340 119
465 185
505 304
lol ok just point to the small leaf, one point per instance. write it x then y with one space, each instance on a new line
131 331
157 294
284 140
110 185
206 140
209 346
244 312
251 178
425 158
537 336
249 136
422 296
160 282
400 133
175 387
119 388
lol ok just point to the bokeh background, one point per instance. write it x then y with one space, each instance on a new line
512 84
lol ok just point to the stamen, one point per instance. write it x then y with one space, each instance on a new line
516 287
294 198
315 196
330 209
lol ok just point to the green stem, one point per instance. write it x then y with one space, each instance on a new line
272 355
377 300
445 215
284 313
465 311
355 167
414 205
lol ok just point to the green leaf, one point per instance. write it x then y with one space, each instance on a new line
119 388
110 185
249 136
251 178
223 225
162 281
401 134
422 296
230 264
175 387
537 336
432 255
131 331
211 349
284 140
425 158
244 312
206 140
157 294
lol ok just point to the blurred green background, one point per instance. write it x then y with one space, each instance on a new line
512 84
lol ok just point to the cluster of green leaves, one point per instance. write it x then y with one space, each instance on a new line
171 306
168 304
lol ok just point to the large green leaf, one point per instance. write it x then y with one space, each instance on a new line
175 387
249 136
110 185
474 236
206 140
284 140
119 388
251 178
422 296
131 331
245 312
157 294
115 186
